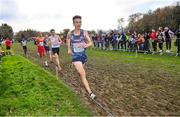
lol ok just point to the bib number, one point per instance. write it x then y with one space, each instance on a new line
41 43
78 47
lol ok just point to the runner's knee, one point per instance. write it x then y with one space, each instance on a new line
82 72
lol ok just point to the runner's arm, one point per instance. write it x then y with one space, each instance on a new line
171 34
60 40
50 41
68 43
87 40
36 41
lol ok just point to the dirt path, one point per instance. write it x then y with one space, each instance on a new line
72 79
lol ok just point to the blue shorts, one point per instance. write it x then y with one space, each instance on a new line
82 59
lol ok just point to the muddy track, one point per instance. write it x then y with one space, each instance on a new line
71 77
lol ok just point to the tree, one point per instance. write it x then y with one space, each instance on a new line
133 19
120 24
176 13
28 34
65 32
6 31
168 16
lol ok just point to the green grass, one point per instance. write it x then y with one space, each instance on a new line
27 90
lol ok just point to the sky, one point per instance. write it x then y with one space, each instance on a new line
43 15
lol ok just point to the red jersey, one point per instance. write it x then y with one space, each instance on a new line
40 44
139 40
153 36
40 41
8 43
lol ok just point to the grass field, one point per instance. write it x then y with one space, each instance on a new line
27 89
126 83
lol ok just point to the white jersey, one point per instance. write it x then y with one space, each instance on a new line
55 41
24 43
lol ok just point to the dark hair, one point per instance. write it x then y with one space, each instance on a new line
76 17
52 30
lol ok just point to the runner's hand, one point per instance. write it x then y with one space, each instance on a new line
69 52
85 45
60 43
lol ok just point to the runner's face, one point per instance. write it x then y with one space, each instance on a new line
53 33
77 23
40 34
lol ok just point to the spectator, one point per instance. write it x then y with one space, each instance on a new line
114 41
140 42
123 38
153 37
106 39
146 43
160 40
132 42
119 41
177 33
168 36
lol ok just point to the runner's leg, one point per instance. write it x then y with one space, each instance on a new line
79 67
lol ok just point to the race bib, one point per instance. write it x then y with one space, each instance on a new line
55 43
78 47
24 43
41 43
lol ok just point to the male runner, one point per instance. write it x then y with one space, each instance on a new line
77 41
